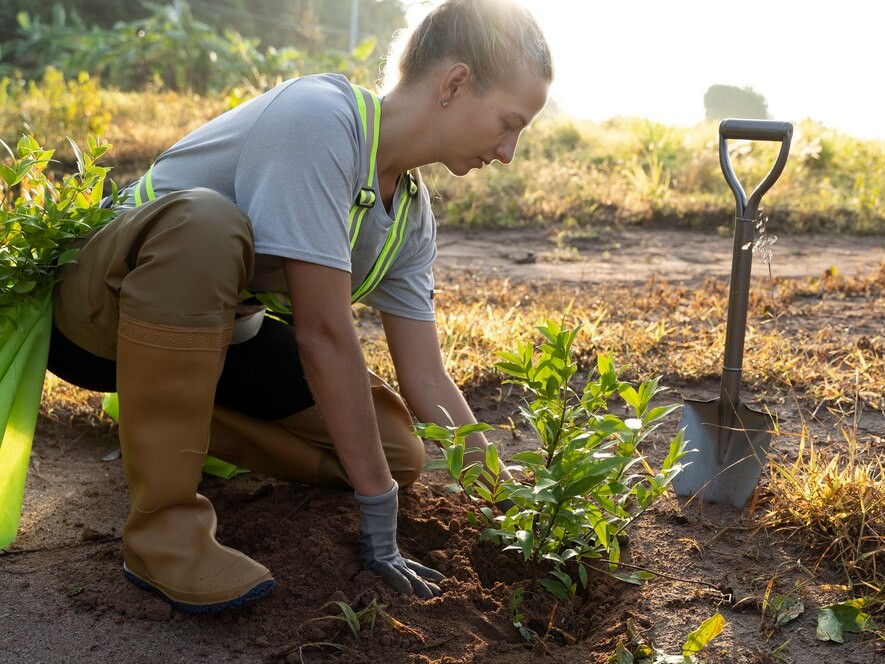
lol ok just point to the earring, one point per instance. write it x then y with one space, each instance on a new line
444 102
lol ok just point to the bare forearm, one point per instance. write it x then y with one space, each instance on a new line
427 404
336 372
425 384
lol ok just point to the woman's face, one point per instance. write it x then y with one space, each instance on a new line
483 127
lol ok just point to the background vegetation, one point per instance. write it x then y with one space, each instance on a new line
154 75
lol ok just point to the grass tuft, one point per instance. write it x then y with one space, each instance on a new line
835 504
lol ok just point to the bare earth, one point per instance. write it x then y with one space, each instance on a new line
64 597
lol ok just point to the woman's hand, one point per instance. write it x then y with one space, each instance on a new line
380 553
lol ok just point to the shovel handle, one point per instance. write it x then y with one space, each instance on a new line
745 220
753 130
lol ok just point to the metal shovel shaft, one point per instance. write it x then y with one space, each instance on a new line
746 210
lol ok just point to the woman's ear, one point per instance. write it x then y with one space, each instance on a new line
455 81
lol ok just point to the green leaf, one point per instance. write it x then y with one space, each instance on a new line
468 429
556 588
829 628
698 639
471 474
532 459
526 540
350 617
784 608
68 256
656 414
436 464
629 394
637 577
849 616
455 456
81 164
492 461
432 431
9 176
622 656
23 287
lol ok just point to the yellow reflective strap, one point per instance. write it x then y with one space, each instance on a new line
356 213
392 244
149 183
369 107
146 180
361 107
376 130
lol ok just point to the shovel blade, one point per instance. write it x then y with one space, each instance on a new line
724 464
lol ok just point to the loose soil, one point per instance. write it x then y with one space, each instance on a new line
64 597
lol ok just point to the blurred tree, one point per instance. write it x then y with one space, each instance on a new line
310 25
93 12
728 101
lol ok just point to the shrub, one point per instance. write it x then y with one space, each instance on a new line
572 497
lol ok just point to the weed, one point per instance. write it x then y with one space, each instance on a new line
359 622
637 651
835 504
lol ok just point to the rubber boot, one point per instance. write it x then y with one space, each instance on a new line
166 380
270 448
299 448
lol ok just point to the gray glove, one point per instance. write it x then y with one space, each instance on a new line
379 552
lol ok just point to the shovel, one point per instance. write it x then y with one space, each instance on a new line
729 439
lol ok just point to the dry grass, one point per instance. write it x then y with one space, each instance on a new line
835 504
676 330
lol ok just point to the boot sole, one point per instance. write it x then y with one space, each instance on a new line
257 592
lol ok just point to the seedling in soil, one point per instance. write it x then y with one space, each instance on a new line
571 498
359 622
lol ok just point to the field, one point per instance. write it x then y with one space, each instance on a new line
622 227
815 358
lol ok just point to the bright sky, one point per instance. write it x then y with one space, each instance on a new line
655 59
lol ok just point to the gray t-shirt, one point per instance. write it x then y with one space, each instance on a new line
294 159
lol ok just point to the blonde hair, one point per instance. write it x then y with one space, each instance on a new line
495 38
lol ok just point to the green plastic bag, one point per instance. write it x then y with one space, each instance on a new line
24 350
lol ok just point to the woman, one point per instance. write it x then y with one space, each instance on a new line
310 189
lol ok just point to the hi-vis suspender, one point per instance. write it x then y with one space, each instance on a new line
370 116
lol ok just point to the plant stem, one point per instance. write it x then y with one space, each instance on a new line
669 577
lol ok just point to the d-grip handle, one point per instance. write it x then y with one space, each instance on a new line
756 130
753 130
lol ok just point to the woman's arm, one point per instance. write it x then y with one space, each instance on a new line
336 372
423 380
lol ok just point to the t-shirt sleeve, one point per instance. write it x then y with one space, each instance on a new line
295 177
407 288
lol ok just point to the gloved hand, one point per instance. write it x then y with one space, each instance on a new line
380 553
